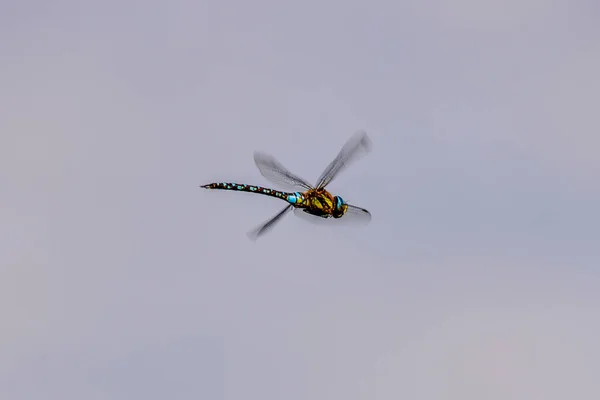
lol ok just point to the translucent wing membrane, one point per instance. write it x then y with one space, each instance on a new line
272 169
354 216
357 214
268 225
357 146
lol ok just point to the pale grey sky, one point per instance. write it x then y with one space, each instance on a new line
477 277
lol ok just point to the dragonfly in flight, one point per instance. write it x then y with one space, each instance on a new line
313 200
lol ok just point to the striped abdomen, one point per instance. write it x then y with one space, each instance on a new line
249 188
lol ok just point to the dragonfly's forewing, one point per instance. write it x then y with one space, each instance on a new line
274 171
357 215
357 146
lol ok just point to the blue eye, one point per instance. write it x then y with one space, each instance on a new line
339 201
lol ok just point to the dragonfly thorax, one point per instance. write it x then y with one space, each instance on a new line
319 202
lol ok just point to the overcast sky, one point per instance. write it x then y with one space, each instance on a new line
477 277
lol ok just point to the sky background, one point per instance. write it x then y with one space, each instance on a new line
477 277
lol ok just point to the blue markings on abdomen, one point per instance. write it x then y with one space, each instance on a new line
294 198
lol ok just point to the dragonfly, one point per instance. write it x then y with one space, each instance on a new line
306 200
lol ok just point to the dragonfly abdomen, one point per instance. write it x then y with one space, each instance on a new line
249 188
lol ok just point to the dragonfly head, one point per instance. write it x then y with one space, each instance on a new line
339 207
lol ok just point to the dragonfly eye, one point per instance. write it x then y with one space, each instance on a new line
340 207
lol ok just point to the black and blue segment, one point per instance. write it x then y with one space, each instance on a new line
242 187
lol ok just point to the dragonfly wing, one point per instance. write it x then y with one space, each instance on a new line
265 227
312 219
274 171
354 216
357 146
357 215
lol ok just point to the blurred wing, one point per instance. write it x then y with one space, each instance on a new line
357 146
272 169
265 227
355 216
312 219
